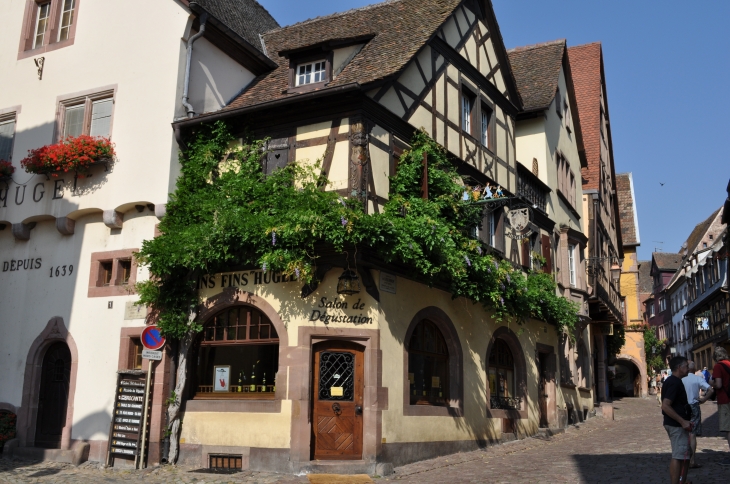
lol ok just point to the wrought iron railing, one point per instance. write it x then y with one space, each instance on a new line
531 190
505 403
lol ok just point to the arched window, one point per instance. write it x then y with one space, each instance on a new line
428 365
501 375
238 355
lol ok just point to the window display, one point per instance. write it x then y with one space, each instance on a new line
428 366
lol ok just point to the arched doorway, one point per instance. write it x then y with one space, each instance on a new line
53 396
627 382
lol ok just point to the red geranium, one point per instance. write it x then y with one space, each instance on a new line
6 169
76 154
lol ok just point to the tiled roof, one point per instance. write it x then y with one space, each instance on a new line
646 282
627 209
247 18
695 237
666 261
585 64
399 28
537 70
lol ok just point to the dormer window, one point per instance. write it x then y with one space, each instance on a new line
311 73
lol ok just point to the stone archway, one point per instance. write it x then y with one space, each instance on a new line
54 332
639 370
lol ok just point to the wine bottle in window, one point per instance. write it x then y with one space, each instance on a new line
263 383
274 389
441 393
253 379
240 381
245 383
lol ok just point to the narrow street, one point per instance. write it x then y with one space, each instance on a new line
632 449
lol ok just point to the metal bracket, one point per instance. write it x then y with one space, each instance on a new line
39 63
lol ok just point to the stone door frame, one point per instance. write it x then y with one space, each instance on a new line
54 332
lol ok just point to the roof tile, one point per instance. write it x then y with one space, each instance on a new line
537 71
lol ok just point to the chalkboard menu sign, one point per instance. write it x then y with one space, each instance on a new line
128 432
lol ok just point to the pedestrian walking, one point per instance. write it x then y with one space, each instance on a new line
693 384
658 385
721 376
677 423
706 374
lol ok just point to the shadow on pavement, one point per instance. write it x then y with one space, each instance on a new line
645 468
45 472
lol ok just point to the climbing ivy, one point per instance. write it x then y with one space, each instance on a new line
226 213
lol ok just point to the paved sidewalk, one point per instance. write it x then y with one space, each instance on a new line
632 449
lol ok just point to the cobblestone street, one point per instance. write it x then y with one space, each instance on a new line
632 449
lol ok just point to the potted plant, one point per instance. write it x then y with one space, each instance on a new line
72 154
6 170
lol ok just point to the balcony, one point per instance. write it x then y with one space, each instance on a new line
531 188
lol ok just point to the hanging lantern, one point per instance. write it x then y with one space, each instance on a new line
615 272
348 283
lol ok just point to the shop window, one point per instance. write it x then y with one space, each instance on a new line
501 374
238 356
428 366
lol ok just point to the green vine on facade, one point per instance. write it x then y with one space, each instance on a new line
228 213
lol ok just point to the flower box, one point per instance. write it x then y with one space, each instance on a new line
73 154
6 170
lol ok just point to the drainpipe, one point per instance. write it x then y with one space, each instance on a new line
191 41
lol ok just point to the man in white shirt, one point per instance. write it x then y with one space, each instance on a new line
693 384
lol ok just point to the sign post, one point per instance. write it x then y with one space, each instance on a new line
153 342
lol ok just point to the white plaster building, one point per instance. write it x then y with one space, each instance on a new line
66 244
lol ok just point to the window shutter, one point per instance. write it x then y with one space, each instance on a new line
101 118
277 155
499 236
7 132
525 247
546 253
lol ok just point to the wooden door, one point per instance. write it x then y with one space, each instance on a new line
53 399
337 401
542 395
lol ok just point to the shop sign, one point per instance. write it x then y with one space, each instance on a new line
387 282
243 279
14 265
323 312
54 188
519 220
127 427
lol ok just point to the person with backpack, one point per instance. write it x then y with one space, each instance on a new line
721 376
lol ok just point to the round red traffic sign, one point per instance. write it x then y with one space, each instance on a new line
152 339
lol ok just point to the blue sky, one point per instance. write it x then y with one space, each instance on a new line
667 67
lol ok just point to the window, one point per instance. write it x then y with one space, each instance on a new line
558 104
105 273
7 135
311 73
67 18
567 116
48 25
41 24
91 115
704 245
124 271
136 354
238 356
650 307
428 366
467 105
113 273
571 265
501 375
485 128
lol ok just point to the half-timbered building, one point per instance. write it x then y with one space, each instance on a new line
349 91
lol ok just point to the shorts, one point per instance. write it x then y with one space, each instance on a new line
724 411
680 442
696 419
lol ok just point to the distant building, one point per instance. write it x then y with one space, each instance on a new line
663 267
